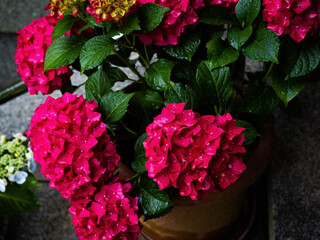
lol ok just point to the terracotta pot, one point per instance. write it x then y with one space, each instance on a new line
216 216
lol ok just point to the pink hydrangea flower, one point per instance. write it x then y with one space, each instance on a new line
195 154
108 10
182 14
295 17
71 143
109 214
229 4
32 44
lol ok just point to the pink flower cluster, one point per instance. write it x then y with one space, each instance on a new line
229 4
71 143
109 213
195 154
33 42
182 13
73 148
294 17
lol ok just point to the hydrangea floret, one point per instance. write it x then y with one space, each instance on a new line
13 156
108 10
181 14
59 7
110 213
196 154
71 143
296 18
32 44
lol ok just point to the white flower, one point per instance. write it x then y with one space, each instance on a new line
10 169
3 184
19 136
18 177
31 165
29 153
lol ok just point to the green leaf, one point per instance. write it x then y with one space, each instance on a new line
95 51
17 200
154 202
187 47
130 24
181 93
250 133
286 89
150 16
216 15
238 36
97 85
220 53
115 74
158 74
31 182
63 51
140 159
247 11
263 47
301 58
148 100
114 105
260 99
146 103
63 26
216 86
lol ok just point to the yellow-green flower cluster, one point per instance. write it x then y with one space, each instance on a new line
12 156
58 7
108 10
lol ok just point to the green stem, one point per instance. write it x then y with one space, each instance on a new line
111 130
234 94
129 66
268 73
128 129
216 110
146 53
134 176
147 64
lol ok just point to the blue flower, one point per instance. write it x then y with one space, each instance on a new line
18 177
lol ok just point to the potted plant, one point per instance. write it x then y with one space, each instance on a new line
192 128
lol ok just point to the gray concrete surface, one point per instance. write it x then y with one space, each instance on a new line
15 14
51 222
8 73
296 171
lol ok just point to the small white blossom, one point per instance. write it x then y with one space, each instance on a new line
31 165
11 169
3 184
19 136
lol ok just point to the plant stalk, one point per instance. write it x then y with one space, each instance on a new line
268 73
